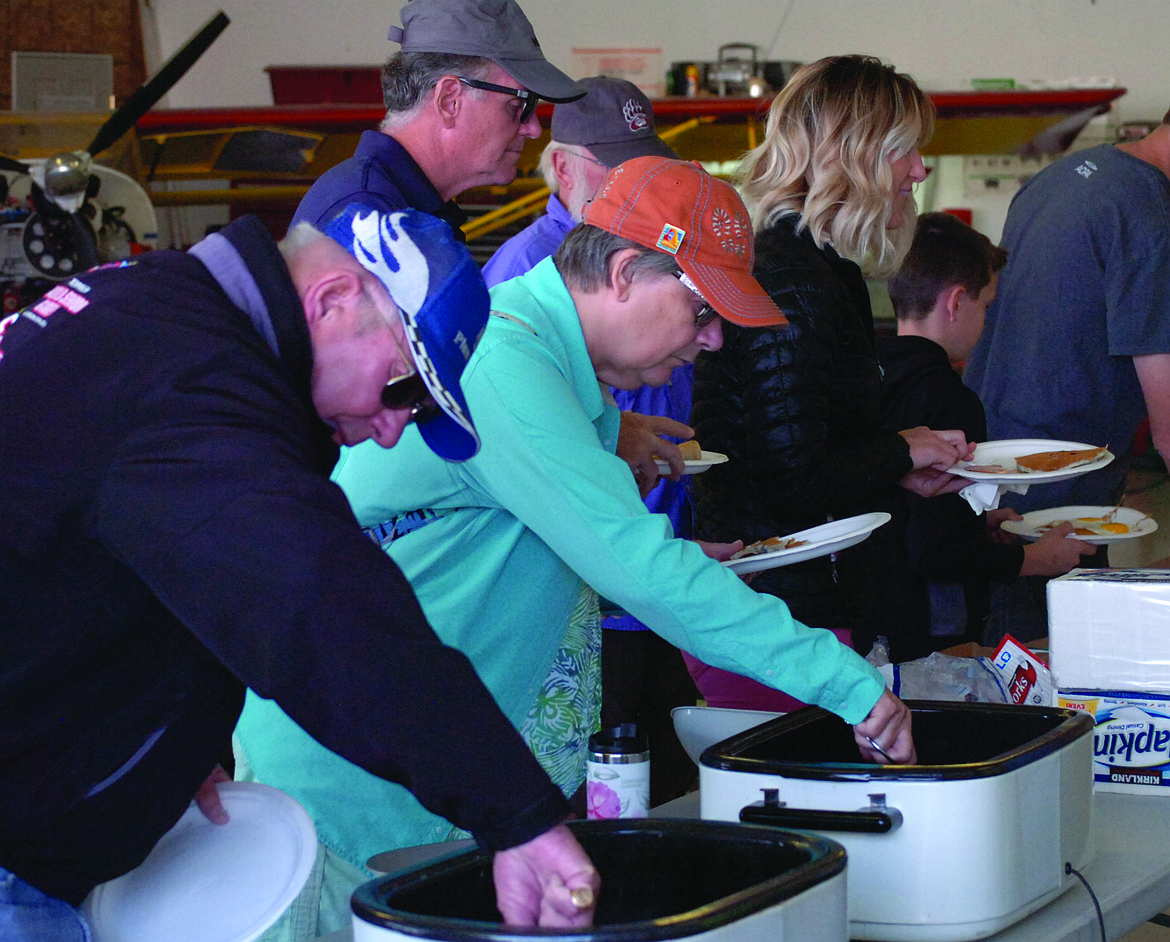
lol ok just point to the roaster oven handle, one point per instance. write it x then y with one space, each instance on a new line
876 819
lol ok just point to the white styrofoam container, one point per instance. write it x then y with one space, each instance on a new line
1109 629
1131 741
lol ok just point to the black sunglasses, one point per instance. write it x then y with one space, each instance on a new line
706 312
530 99
408 391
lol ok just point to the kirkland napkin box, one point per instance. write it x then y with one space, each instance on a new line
1131 739
1109 629
1109 650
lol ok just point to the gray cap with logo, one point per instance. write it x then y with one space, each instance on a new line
614 120
492 29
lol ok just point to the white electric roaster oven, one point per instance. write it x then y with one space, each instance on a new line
970 840
661 879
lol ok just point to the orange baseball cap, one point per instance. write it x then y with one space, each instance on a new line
675 206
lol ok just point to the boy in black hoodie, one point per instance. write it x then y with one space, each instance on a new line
936 557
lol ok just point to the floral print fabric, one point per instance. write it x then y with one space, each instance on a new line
567 710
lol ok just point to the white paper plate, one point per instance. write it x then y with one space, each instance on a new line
823 540
1029 527
695 465
207 882
995 452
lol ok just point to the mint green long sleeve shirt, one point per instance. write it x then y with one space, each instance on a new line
546 502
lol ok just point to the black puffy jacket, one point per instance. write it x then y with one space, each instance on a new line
797 411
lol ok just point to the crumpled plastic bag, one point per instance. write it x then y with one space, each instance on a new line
940 677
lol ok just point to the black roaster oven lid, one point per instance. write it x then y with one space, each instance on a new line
954 741
661 878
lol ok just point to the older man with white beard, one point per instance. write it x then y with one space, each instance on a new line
612 123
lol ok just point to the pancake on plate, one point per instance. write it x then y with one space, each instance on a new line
1059 460
1042 461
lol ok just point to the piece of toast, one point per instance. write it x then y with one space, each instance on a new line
691 451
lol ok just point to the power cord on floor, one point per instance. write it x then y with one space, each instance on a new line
1069 868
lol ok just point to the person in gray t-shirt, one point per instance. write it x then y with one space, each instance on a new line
1076 346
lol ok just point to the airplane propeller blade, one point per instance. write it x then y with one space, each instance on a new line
148 95
14 166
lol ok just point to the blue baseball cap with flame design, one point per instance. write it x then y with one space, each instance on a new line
441 298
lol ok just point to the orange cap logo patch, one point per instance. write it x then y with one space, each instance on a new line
671 239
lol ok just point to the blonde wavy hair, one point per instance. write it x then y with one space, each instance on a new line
832 132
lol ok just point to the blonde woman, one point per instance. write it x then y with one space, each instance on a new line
796 408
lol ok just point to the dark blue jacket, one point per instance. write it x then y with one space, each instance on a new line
168 535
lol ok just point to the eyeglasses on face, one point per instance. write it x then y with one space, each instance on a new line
706 313
594 160
409 391
528 98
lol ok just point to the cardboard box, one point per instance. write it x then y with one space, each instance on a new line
1109 629
1131 743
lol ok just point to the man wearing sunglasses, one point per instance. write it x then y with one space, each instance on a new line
169 535
460 97
588 137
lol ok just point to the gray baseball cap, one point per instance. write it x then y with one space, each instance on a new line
492 29
614 120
